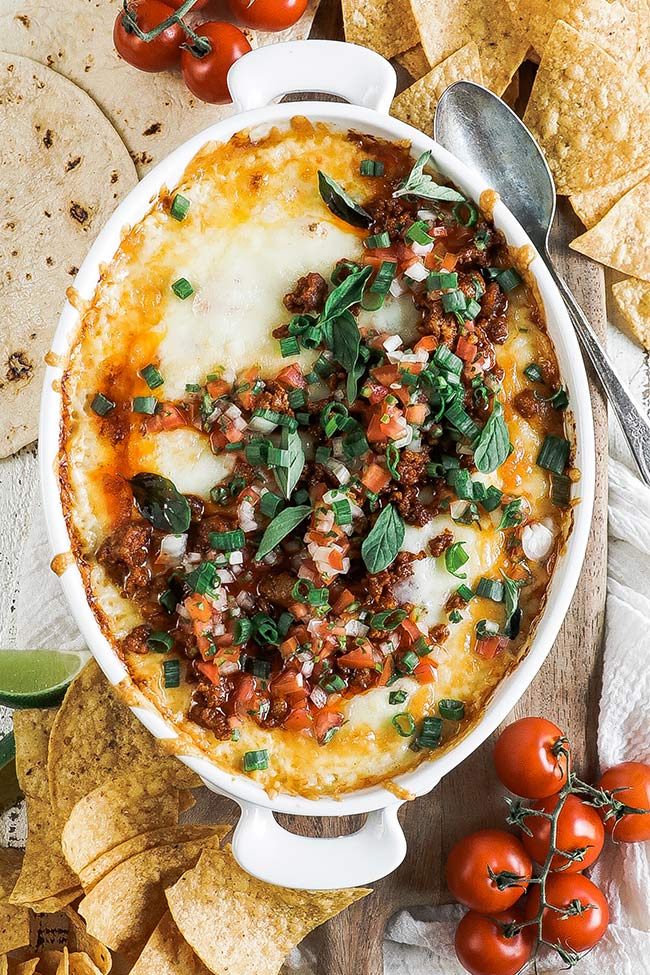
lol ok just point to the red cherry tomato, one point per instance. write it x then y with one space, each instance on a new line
159 54
526 760
483 947
474 859
198 5
578 826
634 779
576 931
268 14
206 76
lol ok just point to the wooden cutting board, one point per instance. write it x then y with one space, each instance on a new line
566 690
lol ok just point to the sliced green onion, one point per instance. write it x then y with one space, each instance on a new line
324 366
534 373
284 622
388 619
392 460
159 641
300 324
145 404
409 661
179 208
418 232
297 398
271 504
560 490
481 239
473 309
455 558
454 301
342 512
465 213
192 388
377 240
172 673
440 280
486 628
101 405
397 697
301 590
289 346
460 418
508 279
323 454
202 579
227 541
455 616
151 376
371 167
384 277
421 647
182 288
256 761
332 684
168 600
430 733
490 589
265 628
559 400
465 593
243 631
404 724
259 668
492 498
319 597
554 454
445 359
451 709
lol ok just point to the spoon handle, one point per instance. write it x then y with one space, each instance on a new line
633 422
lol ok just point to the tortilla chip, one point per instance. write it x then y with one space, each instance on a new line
586 110
249 927
124 908
633 301
591 205
25 967
622 238
45 122
169 836
414 61
445 27
386 26
114 812
80 942
14 921
46 882
511 94
418 103
96 736
81 964
49 962
608 23
168 953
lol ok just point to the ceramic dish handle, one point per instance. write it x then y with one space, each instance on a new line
263 848
355 73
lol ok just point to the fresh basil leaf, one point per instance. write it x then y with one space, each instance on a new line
346 340
287 477
512 515
354 375
384 540
281 526
419 183
158 500
513 610
455 557
493 445
340 203
348 293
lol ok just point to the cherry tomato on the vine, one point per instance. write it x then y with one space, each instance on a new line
634 779
268 14
484 947
476 858
198 5
582 913
578 828
159 54
526 758
205 75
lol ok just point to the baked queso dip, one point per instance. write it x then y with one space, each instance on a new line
314 458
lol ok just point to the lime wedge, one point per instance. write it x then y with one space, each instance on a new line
37 678
9 788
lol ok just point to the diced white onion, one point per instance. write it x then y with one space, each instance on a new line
406 439
457 509
245 600
536 541
228 667
356 628
339 470
318 697
427 215
392 342
421 250
416 272
236 558
397 287
173 546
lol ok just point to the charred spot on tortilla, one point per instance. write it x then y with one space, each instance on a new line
18 367
48 139
72 163
153 128
79 213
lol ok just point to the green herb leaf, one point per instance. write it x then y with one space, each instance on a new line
512 515
513 612
348 293
384 540
158 500
286 477
340 203
493 444
281 526
346 341
419 183
455 557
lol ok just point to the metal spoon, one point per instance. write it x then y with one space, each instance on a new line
479 128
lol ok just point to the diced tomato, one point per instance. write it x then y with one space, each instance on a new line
489 646
411 629
449 262
298 720
344 600
198 608
289 647
385 424
288 682
357 658
428 342
335 560
245 689
386 374
388 669
465 349
248 378
211 671
377 392
292 376
167 417
217 388
374 478
426 672
324 722
417 413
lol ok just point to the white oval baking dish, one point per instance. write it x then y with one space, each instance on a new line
260 845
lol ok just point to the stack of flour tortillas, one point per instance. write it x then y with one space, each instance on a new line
78 127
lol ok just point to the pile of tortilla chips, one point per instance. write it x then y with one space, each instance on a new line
588 108
134 889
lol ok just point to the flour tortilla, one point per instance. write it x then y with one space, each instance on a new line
622 238
64 171
153 113
418 103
